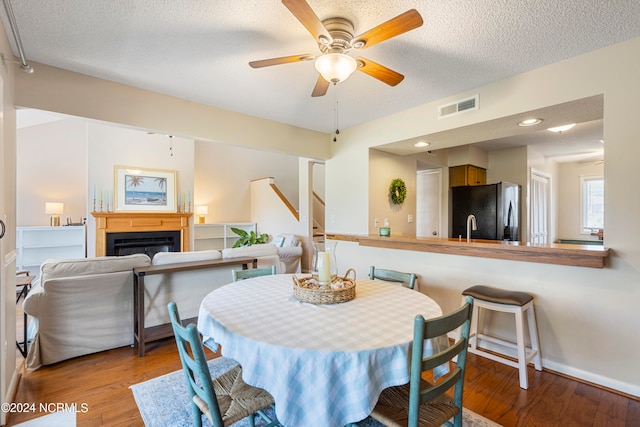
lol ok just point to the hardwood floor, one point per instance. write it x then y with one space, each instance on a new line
102 380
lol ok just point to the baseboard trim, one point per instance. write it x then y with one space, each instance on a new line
627 390
630 391
12 390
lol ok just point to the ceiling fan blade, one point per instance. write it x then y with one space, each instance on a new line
282 60
402 23
307 17
321 87
380 72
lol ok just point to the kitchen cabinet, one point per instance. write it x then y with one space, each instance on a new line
467 175
218 236
37 244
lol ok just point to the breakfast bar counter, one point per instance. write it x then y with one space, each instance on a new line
550 253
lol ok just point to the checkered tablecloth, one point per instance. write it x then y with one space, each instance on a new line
325 365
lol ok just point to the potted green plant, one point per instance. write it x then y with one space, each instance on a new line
248 238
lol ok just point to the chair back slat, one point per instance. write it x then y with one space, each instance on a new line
393 276
253 272
445 324
444 356
442 386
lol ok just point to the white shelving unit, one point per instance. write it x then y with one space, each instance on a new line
218 236
37 244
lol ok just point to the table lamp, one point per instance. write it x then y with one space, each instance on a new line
201 211
55 210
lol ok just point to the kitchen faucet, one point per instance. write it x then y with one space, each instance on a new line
471 225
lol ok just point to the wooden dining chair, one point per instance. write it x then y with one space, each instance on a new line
224 400
393 276
420 403
253 272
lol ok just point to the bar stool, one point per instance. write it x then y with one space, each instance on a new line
509 302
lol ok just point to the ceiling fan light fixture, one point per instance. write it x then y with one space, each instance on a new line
560 129
335 67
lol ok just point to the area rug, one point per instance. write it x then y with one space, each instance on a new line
56 419
164 401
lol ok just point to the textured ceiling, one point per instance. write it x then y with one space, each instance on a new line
199 49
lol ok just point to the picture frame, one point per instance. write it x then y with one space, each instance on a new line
144 190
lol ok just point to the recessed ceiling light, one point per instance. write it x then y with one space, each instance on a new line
530 122
421 144
559 129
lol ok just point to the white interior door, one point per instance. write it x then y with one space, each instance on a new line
539 207
428 203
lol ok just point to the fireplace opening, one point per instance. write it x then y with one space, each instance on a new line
142 242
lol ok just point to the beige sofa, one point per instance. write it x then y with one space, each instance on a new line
83 306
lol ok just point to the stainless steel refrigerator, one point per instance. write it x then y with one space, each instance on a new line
495 206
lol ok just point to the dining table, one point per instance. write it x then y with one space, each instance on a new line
324 364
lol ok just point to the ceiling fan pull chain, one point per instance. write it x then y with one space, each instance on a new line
335 118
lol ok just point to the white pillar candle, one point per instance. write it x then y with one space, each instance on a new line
324 267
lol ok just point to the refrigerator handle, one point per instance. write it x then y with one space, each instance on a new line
509 216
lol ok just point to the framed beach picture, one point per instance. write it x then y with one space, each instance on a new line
144 190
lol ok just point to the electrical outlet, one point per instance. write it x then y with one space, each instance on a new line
410 218
333 219
376 222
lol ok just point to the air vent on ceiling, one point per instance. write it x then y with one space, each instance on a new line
461 106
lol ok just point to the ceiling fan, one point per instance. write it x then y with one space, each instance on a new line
335 39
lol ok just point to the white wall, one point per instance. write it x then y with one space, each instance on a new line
583 313
110 146
468 155
223 175
385 167
569 195
51 167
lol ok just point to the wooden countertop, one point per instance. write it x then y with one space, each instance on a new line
562 254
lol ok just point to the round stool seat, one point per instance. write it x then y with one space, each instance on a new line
498 296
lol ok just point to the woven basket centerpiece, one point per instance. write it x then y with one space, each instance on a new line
341 289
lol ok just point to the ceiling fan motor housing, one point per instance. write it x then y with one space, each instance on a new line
341 31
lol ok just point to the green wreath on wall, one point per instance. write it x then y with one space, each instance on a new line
397 191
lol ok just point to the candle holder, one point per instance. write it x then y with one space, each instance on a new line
324 266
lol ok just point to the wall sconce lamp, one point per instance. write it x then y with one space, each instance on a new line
54 209
201 211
